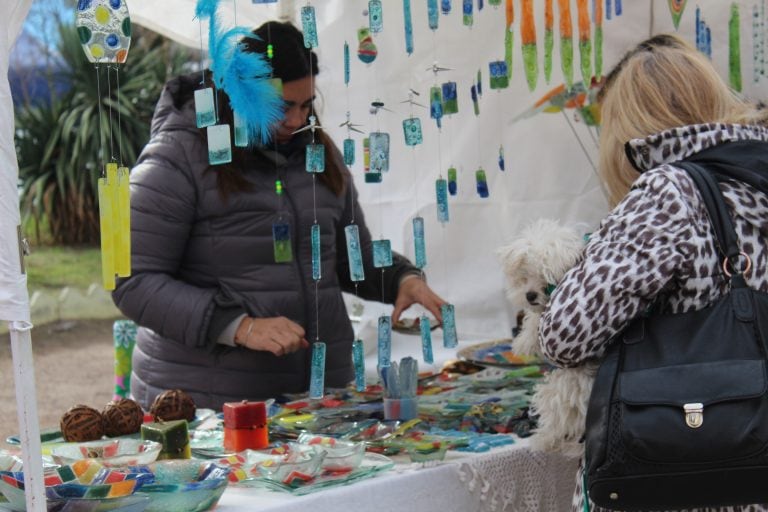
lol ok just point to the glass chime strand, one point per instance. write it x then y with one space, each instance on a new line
98 101
109 95
119 119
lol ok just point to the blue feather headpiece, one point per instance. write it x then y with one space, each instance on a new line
243 76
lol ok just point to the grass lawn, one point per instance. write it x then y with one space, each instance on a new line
56 267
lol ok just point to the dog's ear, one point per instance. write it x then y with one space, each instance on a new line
511 258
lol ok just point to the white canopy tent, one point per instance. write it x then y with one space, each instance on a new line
14 300
548 173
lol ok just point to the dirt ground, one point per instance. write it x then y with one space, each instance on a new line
74 363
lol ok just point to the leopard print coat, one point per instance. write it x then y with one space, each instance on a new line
658 240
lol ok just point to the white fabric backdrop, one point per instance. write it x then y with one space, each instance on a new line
547 173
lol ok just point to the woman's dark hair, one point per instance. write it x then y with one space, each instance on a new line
290 61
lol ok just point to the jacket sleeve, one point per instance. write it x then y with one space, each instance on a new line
373 287
163 210
640 248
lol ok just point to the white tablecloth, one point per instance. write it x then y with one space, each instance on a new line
507 479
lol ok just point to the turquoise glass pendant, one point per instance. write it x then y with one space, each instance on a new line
466 10
378 145
281 242
450 339
441 189
475 103
104 30
349 152
219 144
241 132
317 371
346 63
358 360
412 131
205 112
502 165
408 26
315 158
426 339
433 14
479 83
482 183
499 77
452 185
309 26
382 253
419 243
436 104
384 344
316 255
354 253
450 99
375 16
373 177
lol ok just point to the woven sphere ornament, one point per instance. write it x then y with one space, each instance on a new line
173 404
122 417
82 423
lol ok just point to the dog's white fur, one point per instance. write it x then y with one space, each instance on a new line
540 255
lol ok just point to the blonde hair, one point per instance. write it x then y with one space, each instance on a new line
663 83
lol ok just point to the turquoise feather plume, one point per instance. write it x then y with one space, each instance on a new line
244 76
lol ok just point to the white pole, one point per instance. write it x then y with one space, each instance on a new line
26 406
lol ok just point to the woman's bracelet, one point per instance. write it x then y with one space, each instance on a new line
244 341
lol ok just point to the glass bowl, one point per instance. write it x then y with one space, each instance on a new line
110 452
185 485
294 470
340 456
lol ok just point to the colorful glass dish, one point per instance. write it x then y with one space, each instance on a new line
339 456
110 452
495 353
185 485
132 503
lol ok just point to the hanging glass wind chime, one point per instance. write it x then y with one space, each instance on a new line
104 29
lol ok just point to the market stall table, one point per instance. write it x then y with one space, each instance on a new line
505 479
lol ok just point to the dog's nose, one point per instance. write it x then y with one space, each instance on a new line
531 297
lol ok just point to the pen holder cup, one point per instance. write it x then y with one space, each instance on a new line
400 408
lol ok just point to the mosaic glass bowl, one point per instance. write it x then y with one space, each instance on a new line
340 456
185 485
110 453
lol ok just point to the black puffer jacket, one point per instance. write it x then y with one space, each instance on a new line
198 262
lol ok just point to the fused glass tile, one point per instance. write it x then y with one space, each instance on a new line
315 158
450 100
445 6
349 152
435 103
219 144
281 242
385 341
452 185
482 183
412 131
382 253
317 371
450 339
408 22
379 151
104 30
419 244
205 112
358 360
375 16
499 78
316 256
241 132
354 253
432 14
426 339
309 26
366 48
466 10
441 189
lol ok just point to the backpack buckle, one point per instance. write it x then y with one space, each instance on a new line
694 414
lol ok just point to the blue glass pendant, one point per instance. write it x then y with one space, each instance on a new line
317 272
450 339
452 185
436 104
426 339
419 243
219 144
358 360
205 112
467 13
433 14
309 26
241 132
281 242
441 189
317 371
378 146
349 152
385 341
445 6
482 184
412 131
408 26
315 158
375 16
346 63
382 253
354 253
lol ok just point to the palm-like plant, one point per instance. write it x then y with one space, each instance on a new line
62 146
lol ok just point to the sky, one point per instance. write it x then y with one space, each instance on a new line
39 34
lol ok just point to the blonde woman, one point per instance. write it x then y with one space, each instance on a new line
663 102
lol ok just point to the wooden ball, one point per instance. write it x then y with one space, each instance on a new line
122 417
173 404
82 423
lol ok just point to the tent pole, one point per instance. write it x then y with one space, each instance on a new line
26 406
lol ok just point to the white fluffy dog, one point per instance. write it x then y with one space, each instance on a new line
533 263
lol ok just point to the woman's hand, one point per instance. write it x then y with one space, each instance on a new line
414 290
277 335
